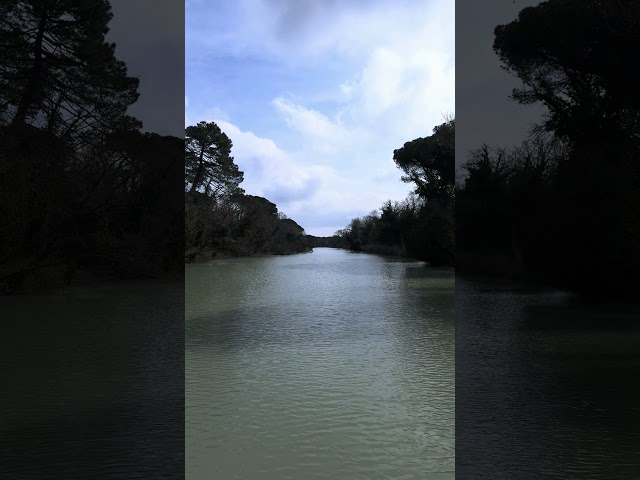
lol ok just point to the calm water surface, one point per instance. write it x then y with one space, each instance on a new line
93 382
546 388
324 365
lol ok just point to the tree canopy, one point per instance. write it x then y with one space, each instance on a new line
83 188
429 162
209 164
574 57
563 208
220 219
422 225
59 73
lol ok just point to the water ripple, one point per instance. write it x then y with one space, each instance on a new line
327 365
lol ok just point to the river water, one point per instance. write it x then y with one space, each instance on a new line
93 382
324 365
546 387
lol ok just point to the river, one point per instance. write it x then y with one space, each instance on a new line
546 387
93 382
332 364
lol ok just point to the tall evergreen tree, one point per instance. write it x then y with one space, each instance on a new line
209 164
59 73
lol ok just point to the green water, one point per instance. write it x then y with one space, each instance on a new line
324 365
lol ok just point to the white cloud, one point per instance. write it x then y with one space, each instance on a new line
390 74
308 122
401 62
324 135
277 174
303 190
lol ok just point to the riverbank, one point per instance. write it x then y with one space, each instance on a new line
59 276
393 251
203 257
500 266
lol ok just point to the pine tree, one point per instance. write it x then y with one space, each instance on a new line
58 72
209 164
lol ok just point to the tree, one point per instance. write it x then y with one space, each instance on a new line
573 57
58 73
219 218
209 164
429 162
83 188
427 230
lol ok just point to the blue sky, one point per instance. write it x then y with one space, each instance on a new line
316 94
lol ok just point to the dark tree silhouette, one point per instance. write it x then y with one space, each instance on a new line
422 226
58 72
564 207
573 56
429 162
220 220
79 180
209 164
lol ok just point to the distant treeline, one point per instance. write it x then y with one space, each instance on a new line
423 225
83 191
220 219
331 242
563 208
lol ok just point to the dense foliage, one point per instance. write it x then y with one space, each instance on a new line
220 219
334 241
83 189
423 225
564 207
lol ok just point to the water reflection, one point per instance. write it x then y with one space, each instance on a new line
93 382
327 365
545 388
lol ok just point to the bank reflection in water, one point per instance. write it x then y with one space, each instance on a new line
545 387
93 385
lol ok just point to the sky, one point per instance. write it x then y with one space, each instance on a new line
485 113
151 43
316 94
